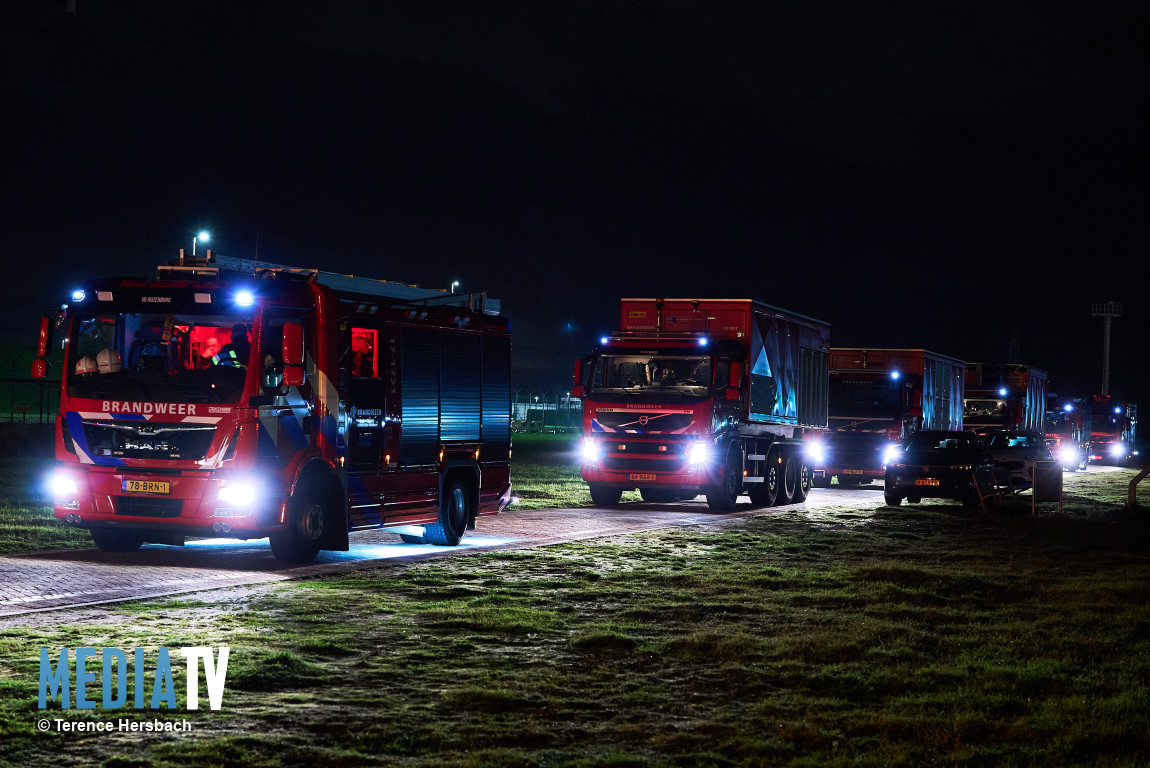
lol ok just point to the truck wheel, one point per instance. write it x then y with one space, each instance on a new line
658 495
307 518
892 499
805 478
764 494
789 487
117 540
603 496
722 497
454 512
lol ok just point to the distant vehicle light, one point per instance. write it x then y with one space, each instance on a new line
1116 410
1068 407
895 375
1118 450
698 454
245 298
891 452
1002 392
1069 456
603 341
590 451
815 451
78 295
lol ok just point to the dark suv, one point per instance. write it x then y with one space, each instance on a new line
937 464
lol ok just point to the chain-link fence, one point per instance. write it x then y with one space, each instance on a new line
545 411
29 401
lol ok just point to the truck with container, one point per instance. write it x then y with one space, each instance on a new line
1009 396
1113 428
703 396
242 399
878 399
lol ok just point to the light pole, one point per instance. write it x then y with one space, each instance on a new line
1107 312
203 235
454 283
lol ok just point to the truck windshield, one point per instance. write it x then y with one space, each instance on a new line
984 409
865 399
159 358
660 372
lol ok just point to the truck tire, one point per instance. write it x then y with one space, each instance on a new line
805 478
658 495
892 499
603 496
454 512
408 538
306 522
765 493
722 497
789 481
116 540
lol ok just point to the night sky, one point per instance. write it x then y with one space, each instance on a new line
956 177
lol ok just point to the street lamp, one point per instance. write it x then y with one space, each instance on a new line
203 235
454 283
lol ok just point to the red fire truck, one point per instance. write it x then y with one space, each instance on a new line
244 399
706 396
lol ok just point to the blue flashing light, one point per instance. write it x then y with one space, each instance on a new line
603 341
1068 407
703 342
1118 410
78 295
245 298
1002 392
895 375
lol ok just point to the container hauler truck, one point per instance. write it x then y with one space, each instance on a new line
243 399
878 399
1113 426
1004 396
712 396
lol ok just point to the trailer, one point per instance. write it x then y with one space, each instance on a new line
878 399
711 396
1004 396
242 399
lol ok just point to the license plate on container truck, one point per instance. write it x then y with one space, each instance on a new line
163 487
637 478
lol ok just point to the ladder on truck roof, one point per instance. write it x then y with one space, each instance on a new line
213 265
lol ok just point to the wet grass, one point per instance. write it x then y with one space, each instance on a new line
881 636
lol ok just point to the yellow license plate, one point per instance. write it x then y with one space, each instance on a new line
852 471
148 486
636 478
926 481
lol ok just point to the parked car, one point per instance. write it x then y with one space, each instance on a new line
1014 453
937 464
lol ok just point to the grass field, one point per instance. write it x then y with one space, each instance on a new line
884 636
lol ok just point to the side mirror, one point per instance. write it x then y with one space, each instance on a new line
39 368
45 335
577 378
736 376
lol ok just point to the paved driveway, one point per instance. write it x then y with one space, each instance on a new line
74 578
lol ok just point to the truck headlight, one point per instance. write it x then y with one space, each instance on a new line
816 452
890 453
698 454
238 495
590 451
62 486
1069 455
1118 450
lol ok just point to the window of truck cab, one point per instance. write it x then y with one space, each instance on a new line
154 357
661 372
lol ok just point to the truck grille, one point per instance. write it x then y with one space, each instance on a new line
644 464
136 506
148 439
